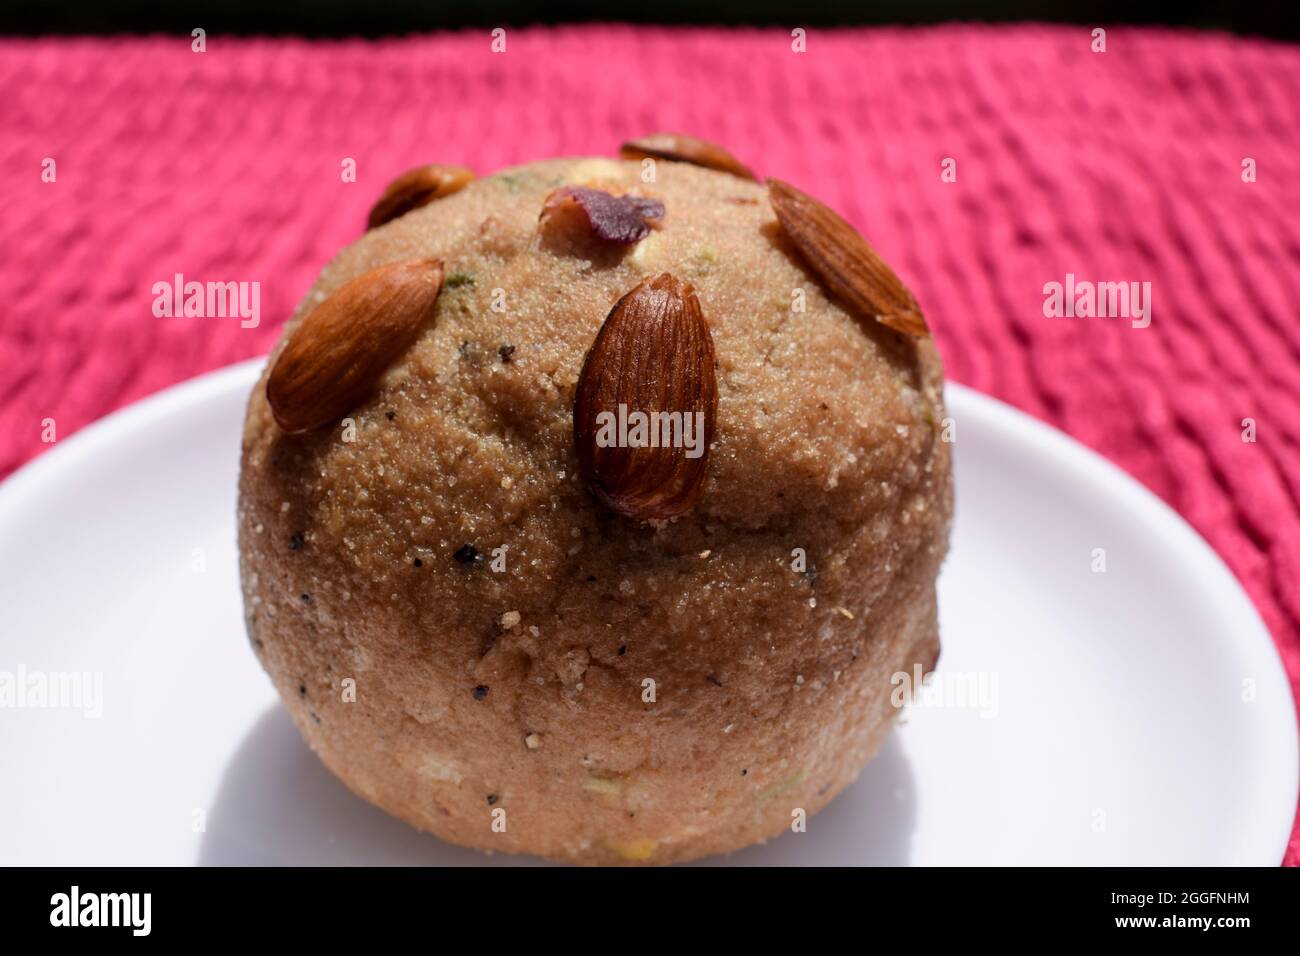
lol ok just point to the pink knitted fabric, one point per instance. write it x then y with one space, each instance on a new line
1123 165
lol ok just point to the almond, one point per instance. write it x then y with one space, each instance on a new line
337 353
418 187
845 261
685 149
652 362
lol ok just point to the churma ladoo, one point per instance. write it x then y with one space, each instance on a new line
588 509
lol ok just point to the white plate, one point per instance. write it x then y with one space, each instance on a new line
1139 716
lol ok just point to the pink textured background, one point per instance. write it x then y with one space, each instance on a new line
1119 166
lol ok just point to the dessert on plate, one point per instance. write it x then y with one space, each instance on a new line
588 509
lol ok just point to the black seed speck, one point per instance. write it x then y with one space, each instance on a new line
418 563
468 554
713 680
295 543
314 717
591 577
622 649
302 690
744 772
492 798
390 414
306 599
505 352
480 691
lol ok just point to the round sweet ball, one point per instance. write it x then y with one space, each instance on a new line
589 509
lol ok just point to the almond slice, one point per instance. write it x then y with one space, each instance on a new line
685 149
653 357
418 187
845 261
337 353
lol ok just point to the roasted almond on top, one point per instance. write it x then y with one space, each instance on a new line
845 261
415 188
643 415
334 357
679 148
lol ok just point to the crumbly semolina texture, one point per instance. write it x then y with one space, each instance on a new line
620 692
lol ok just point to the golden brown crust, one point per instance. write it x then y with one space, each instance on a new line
771 686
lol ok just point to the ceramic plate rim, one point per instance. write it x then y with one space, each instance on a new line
1035 438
